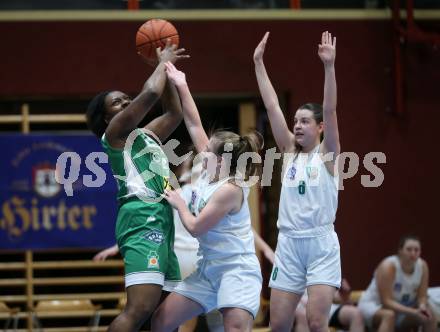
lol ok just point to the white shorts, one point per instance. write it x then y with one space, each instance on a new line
225 283
187 261
303 262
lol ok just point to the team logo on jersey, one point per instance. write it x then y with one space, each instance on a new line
202 204
405 299
154 236
312 172
397 287
192 201
291 173
153 260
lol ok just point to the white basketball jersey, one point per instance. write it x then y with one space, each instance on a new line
405 286
309 196
232 235
182 238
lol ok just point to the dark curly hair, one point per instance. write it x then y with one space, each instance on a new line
96 114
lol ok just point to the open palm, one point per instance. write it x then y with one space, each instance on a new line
327 48
176 76
259 50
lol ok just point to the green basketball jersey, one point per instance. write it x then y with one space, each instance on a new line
141 172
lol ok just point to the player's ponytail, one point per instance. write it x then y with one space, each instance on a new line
236 145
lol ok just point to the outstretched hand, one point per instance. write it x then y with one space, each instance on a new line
327 48
259 50
176 76
104 254
170 53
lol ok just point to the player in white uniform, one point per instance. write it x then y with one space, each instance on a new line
228 277
396 298
307 253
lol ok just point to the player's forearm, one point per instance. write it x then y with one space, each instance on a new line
189 106
260 244
330 89
171 101
192 118
156 82
150 94
396 306
188 220
267 91
422 300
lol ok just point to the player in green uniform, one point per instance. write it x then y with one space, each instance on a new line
144 227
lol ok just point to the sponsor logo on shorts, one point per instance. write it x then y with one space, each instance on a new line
153 260
154 236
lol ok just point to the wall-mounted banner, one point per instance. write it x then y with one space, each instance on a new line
35 212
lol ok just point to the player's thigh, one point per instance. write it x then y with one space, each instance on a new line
175 310
282 307
319 302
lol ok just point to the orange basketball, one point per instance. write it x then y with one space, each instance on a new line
153 34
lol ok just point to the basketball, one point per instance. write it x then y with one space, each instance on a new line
153 34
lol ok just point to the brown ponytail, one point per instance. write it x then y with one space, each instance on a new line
236 145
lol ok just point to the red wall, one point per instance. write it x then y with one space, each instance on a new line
75 58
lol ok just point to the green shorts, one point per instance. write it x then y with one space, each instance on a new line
145 236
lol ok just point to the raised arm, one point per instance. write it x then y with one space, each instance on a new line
190 113
327 53
123 123
164 125
283 136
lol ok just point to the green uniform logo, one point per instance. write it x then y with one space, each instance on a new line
202 204
302 187
153 260
274 274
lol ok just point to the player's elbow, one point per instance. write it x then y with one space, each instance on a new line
387 303
272 106
196 231
329 110
152 91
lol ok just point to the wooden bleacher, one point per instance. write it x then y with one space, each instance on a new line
39 289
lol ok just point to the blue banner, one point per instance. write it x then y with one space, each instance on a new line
35 210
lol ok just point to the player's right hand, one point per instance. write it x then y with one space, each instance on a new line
259 50
170 53
177 77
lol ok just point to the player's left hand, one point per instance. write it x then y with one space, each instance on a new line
327 48
176 76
